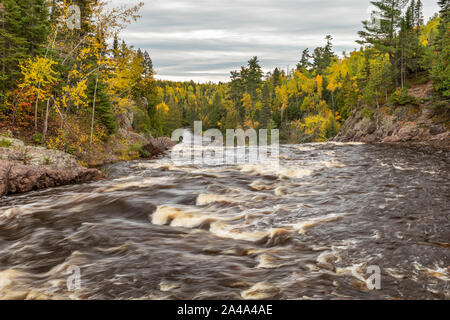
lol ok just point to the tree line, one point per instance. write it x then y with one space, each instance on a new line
310 103
72 89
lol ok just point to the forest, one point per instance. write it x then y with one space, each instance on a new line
73 89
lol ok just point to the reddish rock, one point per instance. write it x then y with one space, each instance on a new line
20 178
407 132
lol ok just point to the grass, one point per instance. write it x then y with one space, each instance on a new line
137 148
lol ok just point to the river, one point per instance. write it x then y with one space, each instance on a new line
310 229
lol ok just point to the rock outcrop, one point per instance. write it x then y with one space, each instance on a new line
406 124
24 168
157 146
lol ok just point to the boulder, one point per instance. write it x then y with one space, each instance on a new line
164 143
25 168
436 130
407 132
157 146
153 149
12 141
20 178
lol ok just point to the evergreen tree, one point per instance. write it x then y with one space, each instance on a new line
265 115
409 49
382 29
23 33
276 78
252 77
418 15
323 56
148 64
236 90
34 25
441 70
305 61
12 44
115 48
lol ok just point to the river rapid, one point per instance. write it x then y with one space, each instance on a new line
310 229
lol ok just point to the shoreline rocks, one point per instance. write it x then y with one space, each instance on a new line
24 168
157 146
401 124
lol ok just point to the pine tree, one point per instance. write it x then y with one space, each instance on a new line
305 61
276 78
148 64
115 48
23 33
382 30
323 56
12 44
35 25
441 69
266 111
252 77
418 15
409 50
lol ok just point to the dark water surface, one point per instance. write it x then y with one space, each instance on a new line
308 230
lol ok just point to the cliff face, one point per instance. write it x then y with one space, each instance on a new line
422 123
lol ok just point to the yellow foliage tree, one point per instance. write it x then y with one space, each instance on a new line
39 77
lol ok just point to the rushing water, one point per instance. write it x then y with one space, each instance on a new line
308 230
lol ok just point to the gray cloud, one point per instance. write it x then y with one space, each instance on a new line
203 40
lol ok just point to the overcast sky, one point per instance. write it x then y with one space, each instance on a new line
203 40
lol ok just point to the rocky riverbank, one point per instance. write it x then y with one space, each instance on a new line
420 123
26 168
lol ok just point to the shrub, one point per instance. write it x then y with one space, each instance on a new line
144 154
5 143
401 97
367 113
138 148
37 138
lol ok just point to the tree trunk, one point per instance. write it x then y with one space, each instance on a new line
36 111
93 109
378 110
44 133
332 101
4 54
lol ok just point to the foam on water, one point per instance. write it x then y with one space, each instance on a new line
307 229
